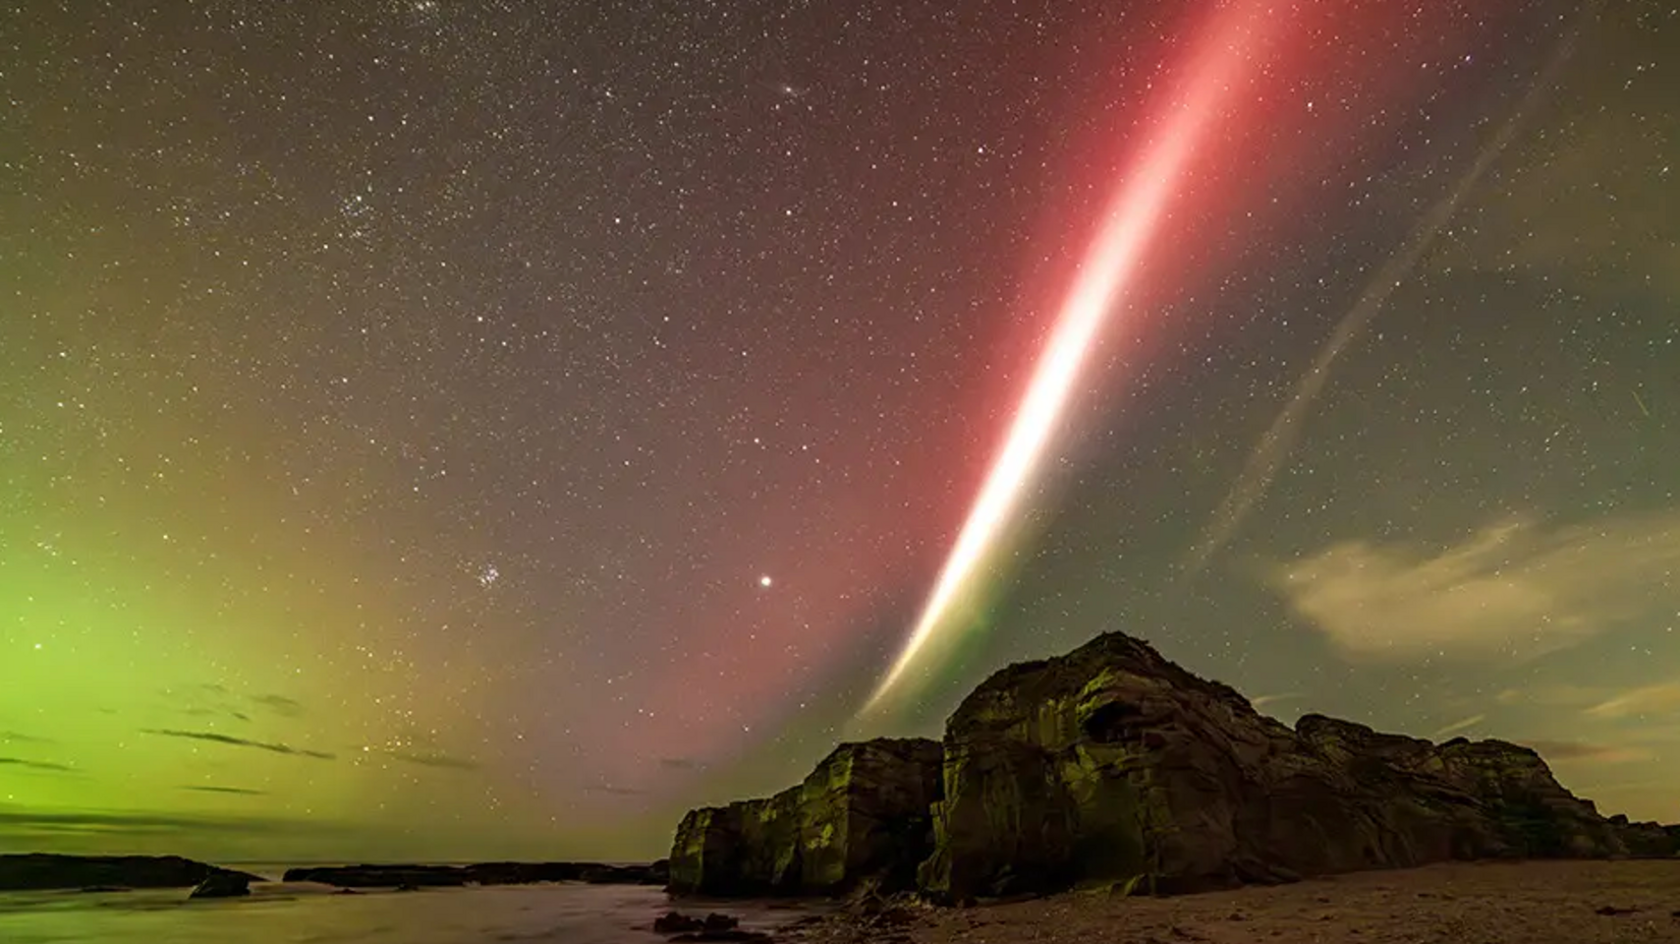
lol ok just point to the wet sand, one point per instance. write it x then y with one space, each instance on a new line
1594 902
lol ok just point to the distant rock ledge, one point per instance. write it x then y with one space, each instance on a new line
483 873
41 871
1111 766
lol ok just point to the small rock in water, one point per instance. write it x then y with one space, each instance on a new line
222 885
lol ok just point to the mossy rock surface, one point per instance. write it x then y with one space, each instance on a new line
1111 767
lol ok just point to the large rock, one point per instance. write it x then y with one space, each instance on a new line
1647 840
40 871
1113 765
862 816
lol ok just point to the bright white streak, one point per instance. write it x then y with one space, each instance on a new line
1132 218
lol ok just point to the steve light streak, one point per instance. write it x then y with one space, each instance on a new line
1221 64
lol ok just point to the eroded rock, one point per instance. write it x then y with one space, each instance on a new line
40 871
1113 765
864 814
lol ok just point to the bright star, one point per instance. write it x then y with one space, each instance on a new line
764 581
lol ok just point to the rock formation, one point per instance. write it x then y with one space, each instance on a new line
222 885
41 871
483 873
1113 766
864 814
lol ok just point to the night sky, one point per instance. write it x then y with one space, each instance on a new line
461 430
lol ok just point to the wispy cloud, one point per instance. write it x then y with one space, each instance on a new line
279 704
1517 589
1650 699
1551 696
231 741
201 700
1264 700
238 791
1463 724
612 790
26 821
1567 751
433 760
679 763
36 765
20 738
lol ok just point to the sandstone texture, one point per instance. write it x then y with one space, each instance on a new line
1112 767
863 815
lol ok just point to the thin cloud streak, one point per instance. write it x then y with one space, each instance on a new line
1279 440
232 741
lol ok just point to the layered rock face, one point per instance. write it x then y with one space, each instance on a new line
1113 766
863 815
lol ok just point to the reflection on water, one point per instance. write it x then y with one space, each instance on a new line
312 914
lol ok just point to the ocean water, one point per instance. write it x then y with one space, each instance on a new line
303 913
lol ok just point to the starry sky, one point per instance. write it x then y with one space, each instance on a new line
463 430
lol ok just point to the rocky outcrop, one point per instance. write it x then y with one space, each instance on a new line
1647 840
863 815
222 885
1111 766
41 871
483 873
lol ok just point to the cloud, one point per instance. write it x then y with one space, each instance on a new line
231 741
239 791
27 820
1650 699
1514 589
204 701
19 738
1264 700
279 704
1550 696
1554 751
612 790
434 760
1461 725
215 713
679 763
36 764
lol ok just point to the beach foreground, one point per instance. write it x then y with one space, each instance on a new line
1580 902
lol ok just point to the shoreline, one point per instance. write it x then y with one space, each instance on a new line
1536 901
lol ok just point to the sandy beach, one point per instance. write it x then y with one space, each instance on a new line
1587 902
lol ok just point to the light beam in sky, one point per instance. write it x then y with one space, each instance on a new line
1274 447
1220 65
